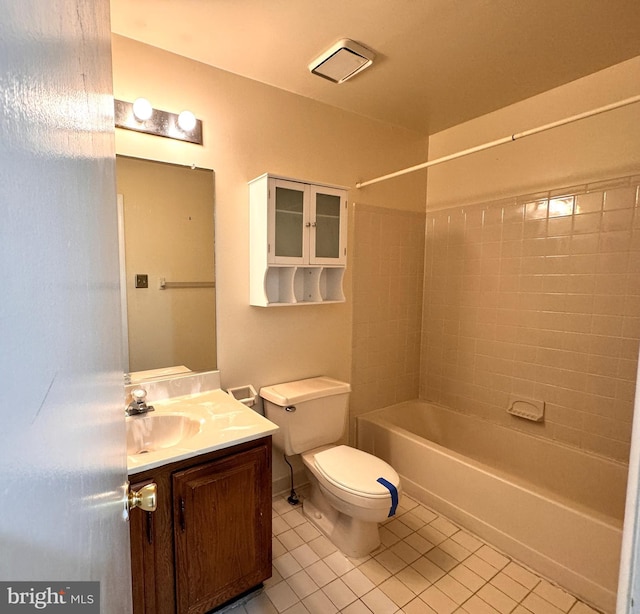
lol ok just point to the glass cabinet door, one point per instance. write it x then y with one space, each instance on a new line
328 218
288 243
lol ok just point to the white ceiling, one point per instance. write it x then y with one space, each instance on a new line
439 62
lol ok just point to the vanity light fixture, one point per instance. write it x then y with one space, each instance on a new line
140 116
342 61
187 121
142 109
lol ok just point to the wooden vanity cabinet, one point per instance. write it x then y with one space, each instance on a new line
222 547
210 538
143 538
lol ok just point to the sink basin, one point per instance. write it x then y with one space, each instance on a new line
152 432
182 427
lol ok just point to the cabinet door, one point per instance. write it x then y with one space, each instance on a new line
328 221
222 529
288 223
143 549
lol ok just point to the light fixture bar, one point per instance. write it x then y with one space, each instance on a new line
160 123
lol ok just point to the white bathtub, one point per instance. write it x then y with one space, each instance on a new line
552 507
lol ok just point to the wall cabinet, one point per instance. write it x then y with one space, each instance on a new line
210 538
298 242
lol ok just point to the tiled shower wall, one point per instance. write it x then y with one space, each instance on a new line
537 297
388 271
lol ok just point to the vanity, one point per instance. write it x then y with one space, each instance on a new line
209 539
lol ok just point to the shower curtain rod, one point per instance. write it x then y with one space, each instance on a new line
506 139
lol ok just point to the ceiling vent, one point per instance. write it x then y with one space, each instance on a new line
342 61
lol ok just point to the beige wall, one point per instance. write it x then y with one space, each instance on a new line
535 295
601 147
249 129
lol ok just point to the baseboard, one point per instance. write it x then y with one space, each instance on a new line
282 486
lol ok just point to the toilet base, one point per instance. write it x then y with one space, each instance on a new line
355 538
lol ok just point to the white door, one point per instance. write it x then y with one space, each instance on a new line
629 582
62 456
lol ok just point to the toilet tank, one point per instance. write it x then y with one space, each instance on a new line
310 412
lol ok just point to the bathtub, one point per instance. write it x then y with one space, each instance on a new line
554 508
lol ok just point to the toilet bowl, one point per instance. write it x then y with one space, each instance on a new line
351 491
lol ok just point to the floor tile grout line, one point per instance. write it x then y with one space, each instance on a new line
461 562
413 526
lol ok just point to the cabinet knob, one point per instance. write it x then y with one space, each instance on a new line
146 498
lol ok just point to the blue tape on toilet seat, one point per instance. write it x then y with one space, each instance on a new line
394 495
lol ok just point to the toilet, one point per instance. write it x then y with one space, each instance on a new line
351 491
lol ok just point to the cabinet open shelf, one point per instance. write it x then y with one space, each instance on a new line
278 286
284 285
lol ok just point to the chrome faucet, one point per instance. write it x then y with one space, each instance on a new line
138 405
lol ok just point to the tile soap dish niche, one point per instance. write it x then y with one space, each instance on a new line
529 409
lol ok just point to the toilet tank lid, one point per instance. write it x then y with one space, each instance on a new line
290 393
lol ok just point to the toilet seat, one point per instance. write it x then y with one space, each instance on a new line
356 472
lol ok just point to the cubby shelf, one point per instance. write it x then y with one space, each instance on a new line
286 285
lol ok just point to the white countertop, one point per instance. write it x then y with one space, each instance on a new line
224 422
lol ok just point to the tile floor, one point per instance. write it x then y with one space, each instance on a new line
425 565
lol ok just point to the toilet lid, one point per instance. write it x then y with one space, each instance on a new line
356 471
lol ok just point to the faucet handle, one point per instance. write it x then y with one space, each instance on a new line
139 395
138 405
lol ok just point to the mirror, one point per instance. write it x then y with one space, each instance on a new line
167 267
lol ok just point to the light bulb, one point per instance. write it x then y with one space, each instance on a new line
187 121
142 109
